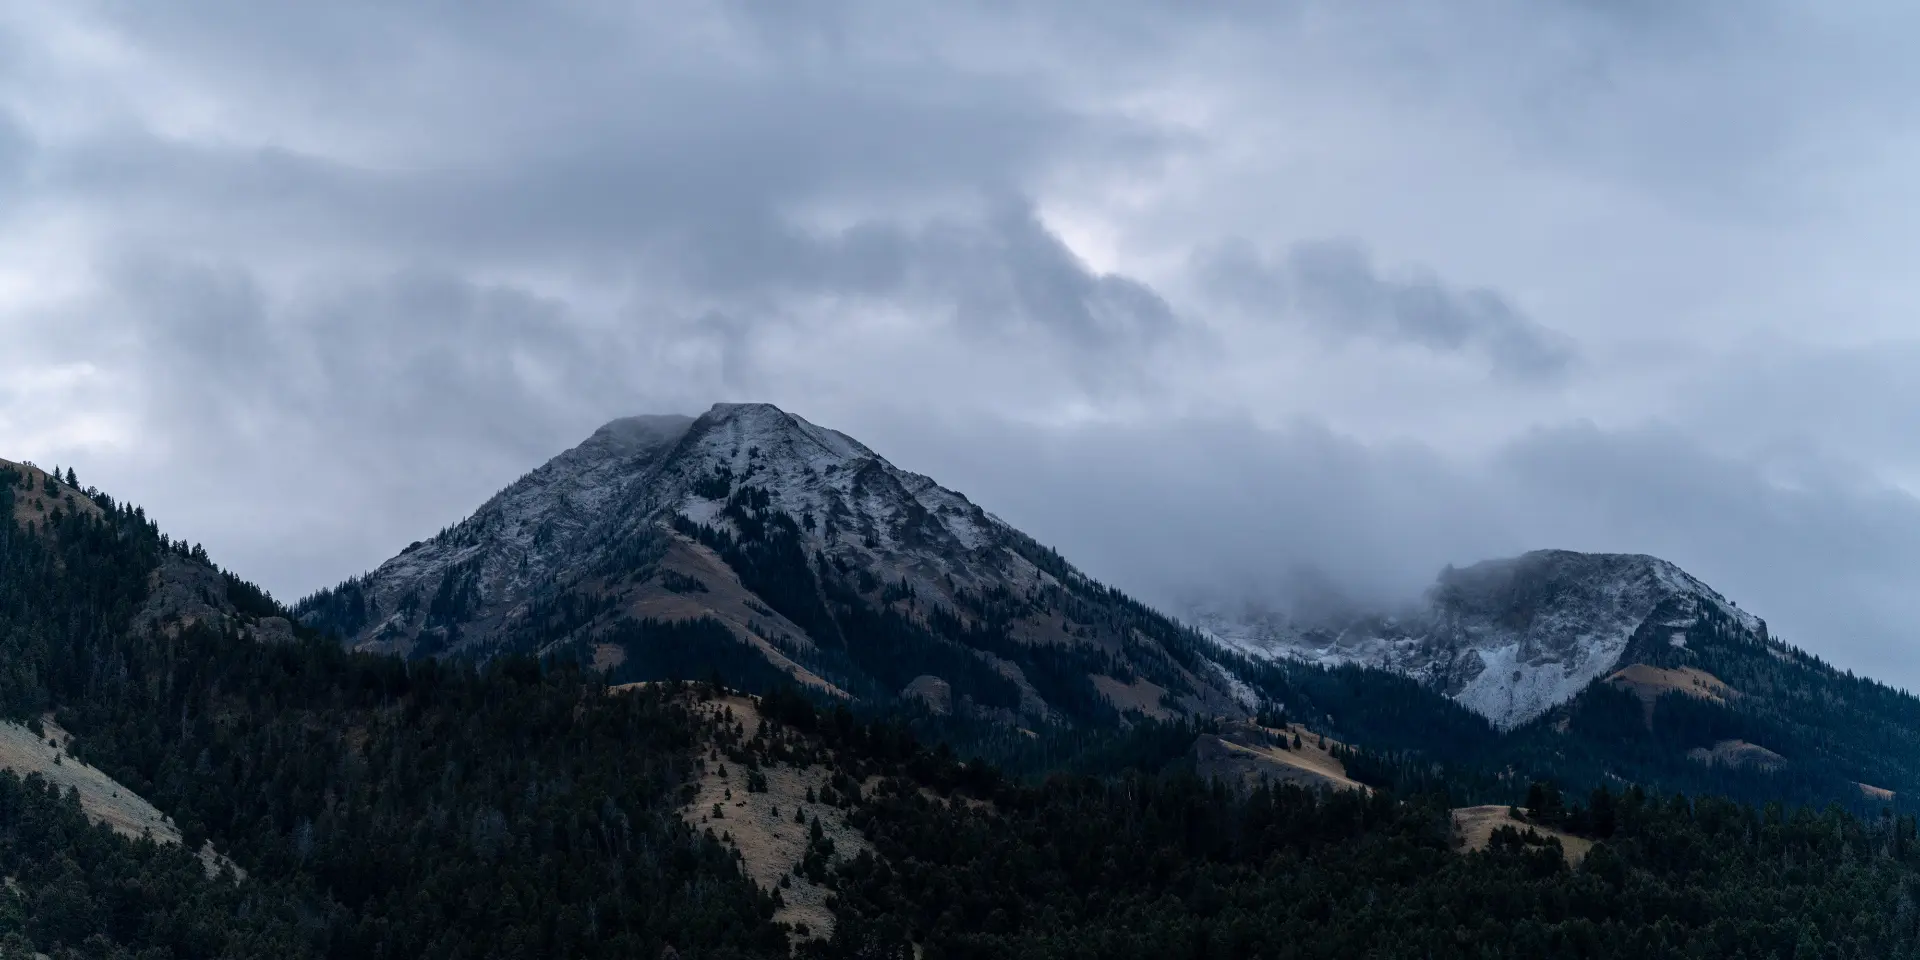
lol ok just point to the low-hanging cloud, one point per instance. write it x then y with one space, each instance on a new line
1333 287
1218 510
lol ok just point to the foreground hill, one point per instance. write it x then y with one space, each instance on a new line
376 808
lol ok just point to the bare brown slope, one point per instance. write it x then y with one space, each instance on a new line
1244 754
1649 683
1473 829
31 501
692 582
1736 755
765 813
103 799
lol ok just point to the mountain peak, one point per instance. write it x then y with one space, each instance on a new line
1508 638
775 431
1501 580
751 541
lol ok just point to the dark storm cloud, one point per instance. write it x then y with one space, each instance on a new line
434 388
434 360
1002 273
709 194
1333 287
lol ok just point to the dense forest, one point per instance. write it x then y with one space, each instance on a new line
1152 868
969 862
380 808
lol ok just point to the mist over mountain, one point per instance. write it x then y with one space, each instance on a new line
755 547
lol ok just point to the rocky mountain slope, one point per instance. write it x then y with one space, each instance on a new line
755 544
752 546
1509 639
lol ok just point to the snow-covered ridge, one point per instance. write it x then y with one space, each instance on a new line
531 533
624 483
1508 639
852 503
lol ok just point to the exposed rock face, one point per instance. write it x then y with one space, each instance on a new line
1509 639
458 589
838 568
183 592
273 630
936 693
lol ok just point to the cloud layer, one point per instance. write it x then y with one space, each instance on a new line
1205 295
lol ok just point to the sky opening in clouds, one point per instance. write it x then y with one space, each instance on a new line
1205 295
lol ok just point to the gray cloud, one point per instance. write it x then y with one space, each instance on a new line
1333 287
14 149
419 386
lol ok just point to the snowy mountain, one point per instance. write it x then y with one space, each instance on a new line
1508 639
748 540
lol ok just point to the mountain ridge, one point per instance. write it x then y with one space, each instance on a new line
826 561
1509 638
750 546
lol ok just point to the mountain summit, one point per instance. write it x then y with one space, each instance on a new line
1508 639
751 542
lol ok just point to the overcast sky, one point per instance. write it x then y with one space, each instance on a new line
1201 293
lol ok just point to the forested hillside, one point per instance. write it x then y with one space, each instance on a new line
965 862
379 808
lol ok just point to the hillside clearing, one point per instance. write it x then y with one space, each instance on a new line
1737 754
103 799
1473 829
760 827
32 503
1244 754
1649 683
1141 695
